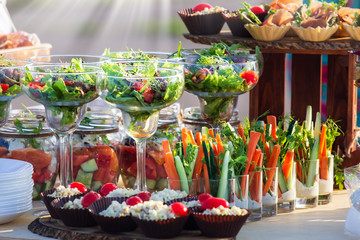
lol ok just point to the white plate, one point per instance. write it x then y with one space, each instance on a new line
10 217
19 202
9 167
20 179
10 186
17 209
16 195
16 191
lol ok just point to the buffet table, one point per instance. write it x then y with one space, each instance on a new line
323 222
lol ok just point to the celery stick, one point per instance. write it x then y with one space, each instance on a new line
308 117
224 177
205 131
192 165
282 182
182 175
314 152
289 181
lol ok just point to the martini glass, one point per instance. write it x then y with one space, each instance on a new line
63 89
140 90
216 86
11 71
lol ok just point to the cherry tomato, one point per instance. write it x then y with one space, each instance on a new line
250 77
204 196
107 188
214 202
81 187
89 198
201 7
179 209
4 87
145 196
132 201
257 10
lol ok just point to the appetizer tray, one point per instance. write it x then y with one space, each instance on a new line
285 45
49 227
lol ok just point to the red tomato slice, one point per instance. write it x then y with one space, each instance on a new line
201 7
4 87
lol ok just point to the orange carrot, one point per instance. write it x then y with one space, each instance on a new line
211 132
299 172
241 132
170 170
324 152
260 162
254 138
198 164
198 138
255 160
288 162
272 120
166 146
271 164
184 139
322 141
263 135
191 136
267 151
219 143
206 179
324 167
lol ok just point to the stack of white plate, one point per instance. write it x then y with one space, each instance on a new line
16 186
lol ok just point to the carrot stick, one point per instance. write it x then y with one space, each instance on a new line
299 172
324 167
272 120
166 146
171 171
198 138
184 139
260 162
206 179
219 143
263 135
255 159
241 132
271 164
324 151
191 136
322 140
198 164
288 161
267 151
211 132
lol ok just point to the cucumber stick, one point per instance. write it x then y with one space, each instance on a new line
308 118
282 182
205 131
182 175
192 165
314 153
224 177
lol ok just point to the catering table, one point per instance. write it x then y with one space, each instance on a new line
322 222
306 81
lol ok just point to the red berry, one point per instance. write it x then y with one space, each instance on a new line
257 10
107 188
201 7
89 198
250 77
214 202
132 201
81 187
145 196
204 196
179 209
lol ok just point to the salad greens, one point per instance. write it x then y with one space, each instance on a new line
29 130
62 89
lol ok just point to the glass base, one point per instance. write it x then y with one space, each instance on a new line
306 202
286 206
325 198
255 215
40 213
269 210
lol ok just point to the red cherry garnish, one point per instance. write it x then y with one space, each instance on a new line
179 209
257 10
81 187
132 201
201 7
89 198
204 196
145 196
108 187
214 202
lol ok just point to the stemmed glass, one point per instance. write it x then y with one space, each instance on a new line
140 90
11 71
64 89
217 84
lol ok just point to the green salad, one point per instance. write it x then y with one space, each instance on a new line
63 89
141 90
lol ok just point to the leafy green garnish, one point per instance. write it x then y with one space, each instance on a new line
356 22
252 16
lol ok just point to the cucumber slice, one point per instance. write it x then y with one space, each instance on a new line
96 185
89 166
150 183
84 177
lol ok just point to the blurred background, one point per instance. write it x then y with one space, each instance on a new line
90 26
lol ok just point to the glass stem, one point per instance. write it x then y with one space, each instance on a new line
4 112
66 158
141 159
